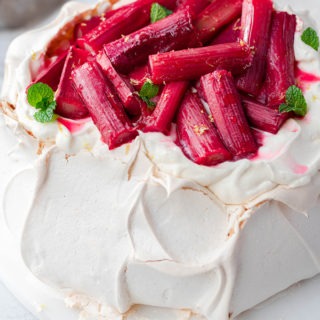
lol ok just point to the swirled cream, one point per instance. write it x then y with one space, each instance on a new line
141 231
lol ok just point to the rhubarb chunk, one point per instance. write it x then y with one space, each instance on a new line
167 106
172 32
124 90
195 6
51 74
265 118
139 76
107 114
86 26
280 59
229 34
126 20
255 31
197 136
217 15
228 115
69 103
192 63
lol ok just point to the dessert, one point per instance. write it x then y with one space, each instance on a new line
147 227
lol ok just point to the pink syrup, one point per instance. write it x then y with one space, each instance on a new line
304 79
73 126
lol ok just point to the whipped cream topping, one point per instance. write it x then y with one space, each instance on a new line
142 224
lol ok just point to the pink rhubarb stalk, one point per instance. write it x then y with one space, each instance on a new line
192 63
107 113
170 98
229 34
69 103
51 74
217 15
255 31
127 19
139 76
280 59
172 32
265 118
227 112
195 6
124 90
197 136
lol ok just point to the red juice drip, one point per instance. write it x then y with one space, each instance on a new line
304 79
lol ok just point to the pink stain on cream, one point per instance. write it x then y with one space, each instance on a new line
305 79
73 126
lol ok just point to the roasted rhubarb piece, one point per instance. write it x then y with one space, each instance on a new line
255 31
195 6
229 34
170 98
86 26
227 112
139 76
280 59
69 103
192 63
124 90
265 118
127 19
51 74
107 113
217 15
197 136
172 32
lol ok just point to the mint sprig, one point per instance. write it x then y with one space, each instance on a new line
158 12
41 97
311 38
295 102
149 91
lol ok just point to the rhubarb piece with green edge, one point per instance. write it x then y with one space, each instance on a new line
255 31
158 12
41 97
51 73
192 63
166 108
229 34
124 90
227 112
310 38
295 102
280 59
69 103
126 20
107 113
195 6
217 15
172 32
197 136
265 118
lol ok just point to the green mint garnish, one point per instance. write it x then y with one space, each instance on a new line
310 37
41 97
149 91
295 102
158 12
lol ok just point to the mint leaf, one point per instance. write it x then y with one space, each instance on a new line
295 102
310 37
158 12
46 115
41 97
38 92
149 91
